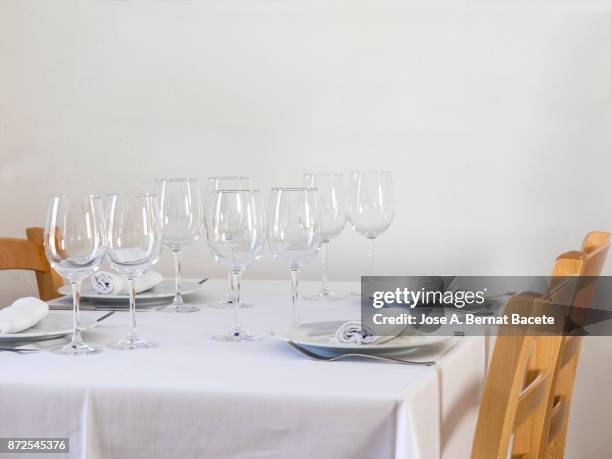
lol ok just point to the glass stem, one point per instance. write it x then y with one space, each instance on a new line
235 277
76 326
132 331
324 282
178 296
230 294
371 255
294 323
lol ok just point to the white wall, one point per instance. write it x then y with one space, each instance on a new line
494 116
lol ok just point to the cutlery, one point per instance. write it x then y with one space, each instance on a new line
314 356
105 316
84 306
202 281
18 350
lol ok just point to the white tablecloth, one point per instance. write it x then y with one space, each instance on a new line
198 398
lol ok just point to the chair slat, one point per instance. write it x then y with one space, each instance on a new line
556 418
21 254
570 349
532 397
29 254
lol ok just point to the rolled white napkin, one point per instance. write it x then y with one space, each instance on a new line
22 314
354 332
111 284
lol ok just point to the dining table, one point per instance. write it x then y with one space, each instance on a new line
194 397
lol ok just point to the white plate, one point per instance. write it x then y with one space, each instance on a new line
56 324
319 337
165 289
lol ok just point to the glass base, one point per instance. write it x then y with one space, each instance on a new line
79 349
326 296
239 336
227 304
356 293
132 343
178 308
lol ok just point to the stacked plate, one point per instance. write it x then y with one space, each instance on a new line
319 338
54 325
159 295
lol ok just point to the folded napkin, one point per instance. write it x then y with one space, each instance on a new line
354 333
106 283
22 314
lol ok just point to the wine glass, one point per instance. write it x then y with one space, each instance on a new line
134 246
182 219
332 210
371 206
237 237
294 233
216 184
74 245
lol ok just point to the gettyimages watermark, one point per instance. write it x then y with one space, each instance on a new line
487 305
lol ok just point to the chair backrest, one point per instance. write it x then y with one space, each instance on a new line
515 406
29 254
592 258
532 434
517 386
571 284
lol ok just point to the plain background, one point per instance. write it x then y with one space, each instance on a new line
494 117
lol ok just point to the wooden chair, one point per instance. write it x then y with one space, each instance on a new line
29 254
517 388
531 436
591 260
530 382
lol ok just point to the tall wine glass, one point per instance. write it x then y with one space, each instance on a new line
74 245
134 246
294 233
332 210
237 237
371 206
224 183
182 219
